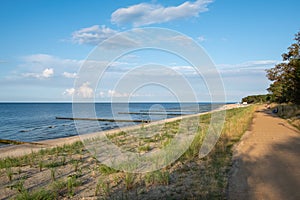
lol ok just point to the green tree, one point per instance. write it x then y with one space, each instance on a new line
285 76
263 98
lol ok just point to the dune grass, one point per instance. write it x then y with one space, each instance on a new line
290 112
67 171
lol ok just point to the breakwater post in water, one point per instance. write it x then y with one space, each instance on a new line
104 120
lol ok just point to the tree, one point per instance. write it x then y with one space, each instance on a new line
285 76
263 98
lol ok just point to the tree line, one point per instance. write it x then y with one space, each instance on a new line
284 77
263 98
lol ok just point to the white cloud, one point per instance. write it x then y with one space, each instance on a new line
255 68
34 75
245 78
260 63
255 64
145 13
121 41
85 91
69 75
38 58
113 93
102 94
118 94
92 35
46 60
186 70
46 73
69 92
43 66
180 38
201 38
96 34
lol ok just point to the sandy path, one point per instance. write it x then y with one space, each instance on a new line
266 163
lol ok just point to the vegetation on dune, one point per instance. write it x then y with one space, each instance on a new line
291 112
70 171
263 98
285 76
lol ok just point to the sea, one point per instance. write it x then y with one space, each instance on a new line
31 122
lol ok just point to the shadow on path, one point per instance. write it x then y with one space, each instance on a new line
266 161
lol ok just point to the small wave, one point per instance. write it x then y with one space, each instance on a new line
26 130
36 128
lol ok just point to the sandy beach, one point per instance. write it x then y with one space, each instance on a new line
72 171
22 149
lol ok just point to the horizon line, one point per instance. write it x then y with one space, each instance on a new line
117 102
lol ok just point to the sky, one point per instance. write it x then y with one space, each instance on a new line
45 45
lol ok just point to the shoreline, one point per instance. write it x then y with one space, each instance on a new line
23 149
72 171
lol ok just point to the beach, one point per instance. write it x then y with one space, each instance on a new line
64 168
22 149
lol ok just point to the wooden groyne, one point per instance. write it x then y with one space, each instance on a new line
192 111
151 113
104 120
16 142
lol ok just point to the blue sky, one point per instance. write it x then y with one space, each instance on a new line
44 43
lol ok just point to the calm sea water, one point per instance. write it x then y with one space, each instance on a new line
37 121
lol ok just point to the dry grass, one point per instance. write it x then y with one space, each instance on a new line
291 112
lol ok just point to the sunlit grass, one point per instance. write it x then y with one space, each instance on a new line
108 182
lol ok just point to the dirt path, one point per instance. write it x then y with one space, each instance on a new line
266 163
